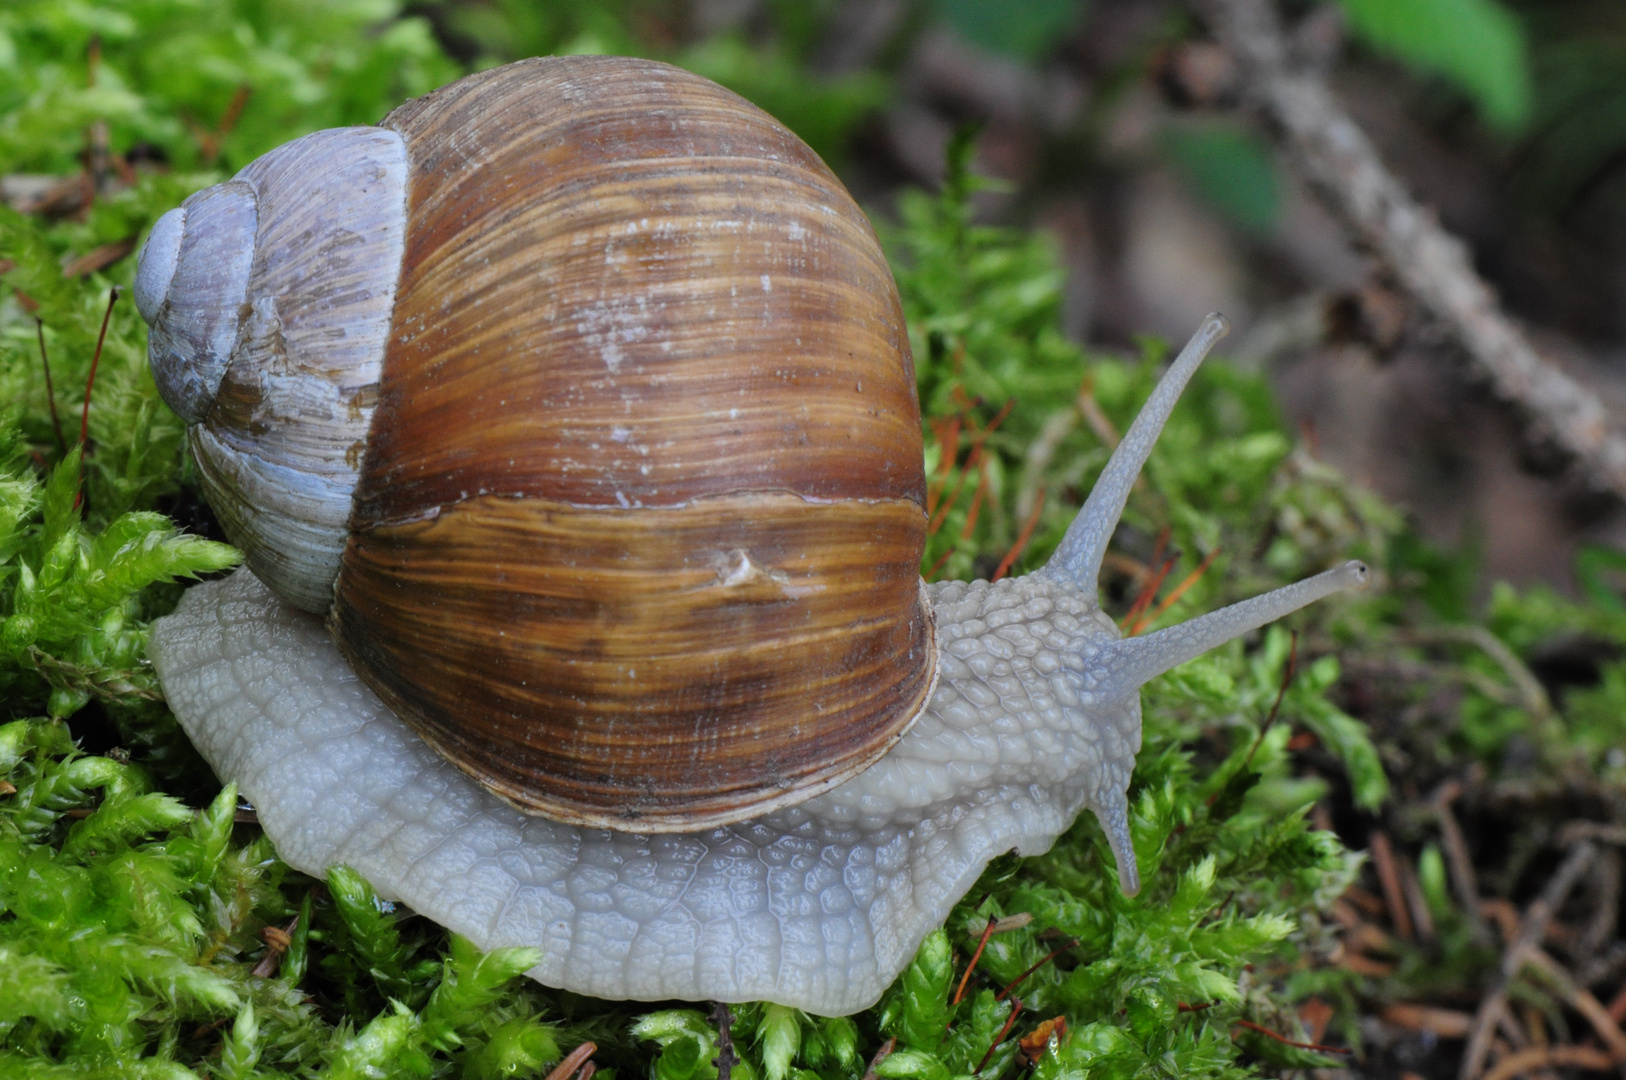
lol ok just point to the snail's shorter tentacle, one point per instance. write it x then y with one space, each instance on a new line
1081 550
1111 808
1130 663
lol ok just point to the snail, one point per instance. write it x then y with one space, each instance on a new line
566 421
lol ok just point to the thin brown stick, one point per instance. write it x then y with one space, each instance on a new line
98 258
948 441
277 940
1132 621
1442 1023
1433 266
1289 669
95 361
1582 1001
1531 929
1617 1006
987 932
1416 904
1097 419
1179 590
1022 537
1318 1047
1547 1057
1157 570
726 1059
1383 861
1532 695
80 500
1003 994
1464 879
880 1055
573 1061
50 389
1010 1022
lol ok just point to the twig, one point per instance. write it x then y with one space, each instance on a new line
1600 926
574 1060
1288 671
1443 1023
1010 1022
1318 1047
50 389
1544 1057
1464 879
80 500
1431 264
1383 861
1022 537
1617 1006
1531 693
97 258
987 932
1135 619
1097 419
1157 569
1178 591
880 1055
1003 994
1422 918
726 1059
95 361
1581 1000
1532 927
277 939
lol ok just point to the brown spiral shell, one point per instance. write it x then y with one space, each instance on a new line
636 534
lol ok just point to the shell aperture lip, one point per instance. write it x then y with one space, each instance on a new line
155 267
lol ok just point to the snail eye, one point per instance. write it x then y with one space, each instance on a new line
157 263
193 297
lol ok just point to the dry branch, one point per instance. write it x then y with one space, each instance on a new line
1539 1057
1434 266
1531 930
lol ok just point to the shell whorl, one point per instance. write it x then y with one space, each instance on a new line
200 255
269 299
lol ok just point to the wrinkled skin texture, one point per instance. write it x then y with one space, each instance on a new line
818 907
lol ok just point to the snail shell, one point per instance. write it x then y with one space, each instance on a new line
578 396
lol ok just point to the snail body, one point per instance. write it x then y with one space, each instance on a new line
577 397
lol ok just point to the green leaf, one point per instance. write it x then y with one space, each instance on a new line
1601 572
917 1011
1024 29
374 1052
1477 44
470 983
912 1065
521 1046
780 1035
1231 169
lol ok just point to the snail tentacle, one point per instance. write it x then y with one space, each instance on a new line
1080 553
1130 663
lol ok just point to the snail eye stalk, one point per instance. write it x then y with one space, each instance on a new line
1079 556
1130 663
